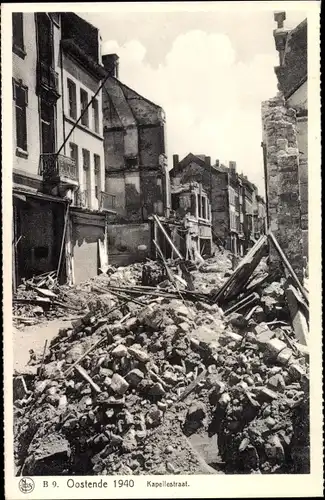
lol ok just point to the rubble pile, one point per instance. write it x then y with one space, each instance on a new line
42 298
159 373
149 371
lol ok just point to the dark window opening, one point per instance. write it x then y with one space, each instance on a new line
41 252
21 97
47 127
131 162
45 39
175 202
18 33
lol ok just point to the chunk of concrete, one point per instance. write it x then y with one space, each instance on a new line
19 388
139 354
119 351
119 384
134 377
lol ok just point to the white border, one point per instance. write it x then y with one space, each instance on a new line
216 486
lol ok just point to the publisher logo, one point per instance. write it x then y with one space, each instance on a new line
26 485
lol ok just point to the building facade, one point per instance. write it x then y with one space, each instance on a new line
136 174
191 205
231 195
57 156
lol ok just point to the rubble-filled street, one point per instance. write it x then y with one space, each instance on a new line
158 372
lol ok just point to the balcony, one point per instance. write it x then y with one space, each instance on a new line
58 170
106 201
47 80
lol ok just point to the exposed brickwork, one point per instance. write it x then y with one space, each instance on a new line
282 157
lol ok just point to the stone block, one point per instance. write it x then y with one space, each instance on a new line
134 377
139 354
274 346
120 351
119 384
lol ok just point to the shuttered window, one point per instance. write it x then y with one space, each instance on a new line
21 102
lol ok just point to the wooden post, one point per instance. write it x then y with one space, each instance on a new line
167 237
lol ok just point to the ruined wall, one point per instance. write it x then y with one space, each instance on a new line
123 241
87 229
150 145
282 156
298 101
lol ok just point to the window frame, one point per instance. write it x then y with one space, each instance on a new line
19 50
69 81
21 149
82 108
95 115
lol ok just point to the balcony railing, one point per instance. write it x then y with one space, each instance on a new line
54 167
107 201
47 78
81 198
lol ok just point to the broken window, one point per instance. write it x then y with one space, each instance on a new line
95 115
72 99
204 207
199 205
84 104
18 34
47 127
131 162
175 202
20 94
45 39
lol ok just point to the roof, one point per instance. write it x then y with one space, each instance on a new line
198 159
293 71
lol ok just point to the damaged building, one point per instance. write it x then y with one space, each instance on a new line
136 172
232 197
58 161
285 122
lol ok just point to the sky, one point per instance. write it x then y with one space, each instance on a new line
209 71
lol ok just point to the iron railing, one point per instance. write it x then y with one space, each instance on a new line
107 201
54 166
47 77
81 198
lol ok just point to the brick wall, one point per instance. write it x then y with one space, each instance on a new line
282 165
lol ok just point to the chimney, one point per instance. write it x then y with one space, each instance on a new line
208 160
217 163
175 160
232 166
110 63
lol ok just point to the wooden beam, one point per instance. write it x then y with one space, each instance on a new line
167 237
287 265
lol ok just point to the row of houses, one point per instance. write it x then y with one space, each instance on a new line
237 213
90 168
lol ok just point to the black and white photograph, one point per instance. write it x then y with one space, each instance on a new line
162 269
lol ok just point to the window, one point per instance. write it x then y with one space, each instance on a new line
95 115
74 153
72 93
47 127
45 39
18 34
175 202
97 175
84 104
85 159
204 207
20 94
199 205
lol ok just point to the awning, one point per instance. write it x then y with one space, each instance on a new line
22 192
